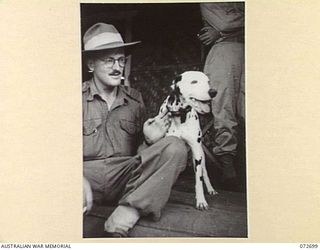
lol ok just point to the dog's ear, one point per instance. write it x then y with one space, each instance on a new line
175 94
171 98
175 81
177 91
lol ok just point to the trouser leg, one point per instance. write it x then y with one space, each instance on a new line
224 67
150 184
241 102
109 177
161 165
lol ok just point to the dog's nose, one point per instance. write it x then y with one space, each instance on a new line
212 93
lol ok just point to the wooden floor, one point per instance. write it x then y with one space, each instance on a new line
226 216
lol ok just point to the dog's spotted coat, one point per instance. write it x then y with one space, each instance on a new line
191 94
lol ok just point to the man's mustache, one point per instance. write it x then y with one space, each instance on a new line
115 73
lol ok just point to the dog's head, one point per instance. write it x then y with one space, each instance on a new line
194 90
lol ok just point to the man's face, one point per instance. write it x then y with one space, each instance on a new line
108 67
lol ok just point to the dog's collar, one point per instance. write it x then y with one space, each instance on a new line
180 112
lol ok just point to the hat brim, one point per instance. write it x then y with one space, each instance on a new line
112 46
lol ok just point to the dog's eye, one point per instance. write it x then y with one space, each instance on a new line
194 81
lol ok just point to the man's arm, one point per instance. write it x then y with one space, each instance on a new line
152 129
220 20
156 128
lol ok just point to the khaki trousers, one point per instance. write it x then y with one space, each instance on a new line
143 181
225 68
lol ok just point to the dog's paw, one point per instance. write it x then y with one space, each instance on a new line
212 192
202 205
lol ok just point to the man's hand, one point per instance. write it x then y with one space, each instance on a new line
87 195
208 35
156 128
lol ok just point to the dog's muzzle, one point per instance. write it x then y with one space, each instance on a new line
212 93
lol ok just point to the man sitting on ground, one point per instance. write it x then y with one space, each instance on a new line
115 167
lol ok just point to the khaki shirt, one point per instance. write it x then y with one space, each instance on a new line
224 17
114 132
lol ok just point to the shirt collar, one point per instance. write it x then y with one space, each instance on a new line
121 98
92 90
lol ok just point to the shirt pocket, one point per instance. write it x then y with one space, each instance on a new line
129 136
93 143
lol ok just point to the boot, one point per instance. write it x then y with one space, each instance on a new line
229 181
227 165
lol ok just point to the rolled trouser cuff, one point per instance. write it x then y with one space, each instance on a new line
149 188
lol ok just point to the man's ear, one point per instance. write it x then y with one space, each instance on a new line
90 65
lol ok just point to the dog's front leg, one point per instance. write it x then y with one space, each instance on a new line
191 133
198 161
206 180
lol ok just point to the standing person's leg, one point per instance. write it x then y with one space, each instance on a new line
224 67
150 184
242 93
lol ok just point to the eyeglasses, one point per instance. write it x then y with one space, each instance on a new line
110 61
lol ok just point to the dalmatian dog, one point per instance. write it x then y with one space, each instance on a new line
191 95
